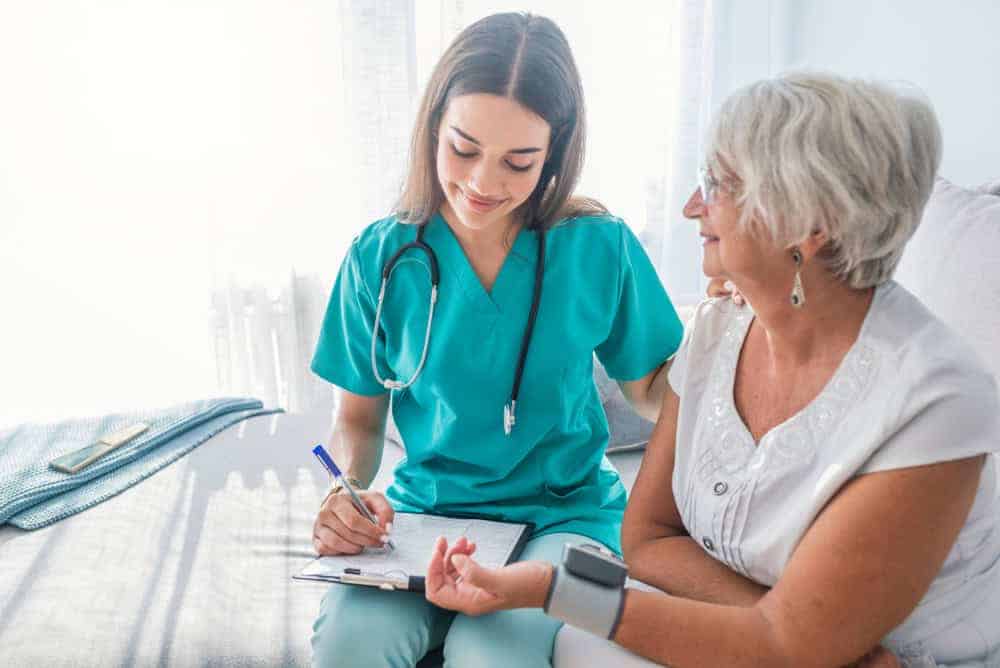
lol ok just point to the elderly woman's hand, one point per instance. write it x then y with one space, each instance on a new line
720 287
456 582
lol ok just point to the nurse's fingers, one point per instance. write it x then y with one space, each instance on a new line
879 658
718 287
356 526
327 526
331 519
379 505
326 542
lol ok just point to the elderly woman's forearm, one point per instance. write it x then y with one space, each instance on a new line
680 632
678 566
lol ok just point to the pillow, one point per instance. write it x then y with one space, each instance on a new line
990 188
628 430
952 264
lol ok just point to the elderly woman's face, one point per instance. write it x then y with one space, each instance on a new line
730 250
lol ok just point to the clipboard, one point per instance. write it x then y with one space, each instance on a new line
498 543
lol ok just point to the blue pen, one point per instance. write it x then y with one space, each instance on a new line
327 462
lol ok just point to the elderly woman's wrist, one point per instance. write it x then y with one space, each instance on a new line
538 592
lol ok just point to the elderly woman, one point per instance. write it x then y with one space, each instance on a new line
820 481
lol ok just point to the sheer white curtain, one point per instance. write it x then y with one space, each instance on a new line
179 182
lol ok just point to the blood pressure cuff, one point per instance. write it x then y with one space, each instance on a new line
587 590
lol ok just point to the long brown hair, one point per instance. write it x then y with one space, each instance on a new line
525 58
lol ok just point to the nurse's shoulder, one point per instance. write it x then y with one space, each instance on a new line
376 244
594 241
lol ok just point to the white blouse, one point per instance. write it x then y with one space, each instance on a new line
908 392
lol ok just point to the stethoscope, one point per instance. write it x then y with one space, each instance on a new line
509 409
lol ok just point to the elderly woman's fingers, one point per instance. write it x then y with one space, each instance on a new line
437 569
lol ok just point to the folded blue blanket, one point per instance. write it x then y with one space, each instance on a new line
33 495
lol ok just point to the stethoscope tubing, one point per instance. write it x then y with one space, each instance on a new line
390 266
510 408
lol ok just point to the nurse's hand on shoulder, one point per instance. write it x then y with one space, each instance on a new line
456 582
340 528
879 657
720 287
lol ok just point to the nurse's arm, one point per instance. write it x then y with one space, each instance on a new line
359 434
655 543
340 528
646 394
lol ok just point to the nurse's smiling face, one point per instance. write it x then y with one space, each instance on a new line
490 152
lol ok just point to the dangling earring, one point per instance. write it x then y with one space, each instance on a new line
798 297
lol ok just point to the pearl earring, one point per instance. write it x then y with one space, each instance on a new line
798 297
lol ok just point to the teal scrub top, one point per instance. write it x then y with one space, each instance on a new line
600 294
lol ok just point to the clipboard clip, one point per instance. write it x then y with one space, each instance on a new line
383 582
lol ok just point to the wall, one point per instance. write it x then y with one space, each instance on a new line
950 50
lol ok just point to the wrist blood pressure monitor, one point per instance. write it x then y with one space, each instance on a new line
588 589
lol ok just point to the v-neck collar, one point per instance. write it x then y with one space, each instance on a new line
513 272
816 404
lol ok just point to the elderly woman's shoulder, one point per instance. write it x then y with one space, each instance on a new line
718 310
920 346
711 319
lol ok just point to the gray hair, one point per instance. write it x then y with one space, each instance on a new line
853 159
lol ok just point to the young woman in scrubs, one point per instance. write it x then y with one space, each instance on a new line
497 151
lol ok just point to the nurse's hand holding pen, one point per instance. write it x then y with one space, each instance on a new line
340 528
350 520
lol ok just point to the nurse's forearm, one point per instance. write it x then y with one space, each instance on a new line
359 448
358 435
646 394
657 389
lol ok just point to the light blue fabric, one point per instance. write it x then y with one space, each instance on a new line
33 495
600 294
362 627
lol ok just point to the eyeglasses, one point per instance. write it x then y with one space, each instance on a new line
709 186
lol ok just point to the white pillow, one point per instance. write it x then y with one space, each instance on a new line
952 265
990 187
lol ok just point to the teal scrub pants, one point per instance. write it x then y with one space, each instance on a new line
365 627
